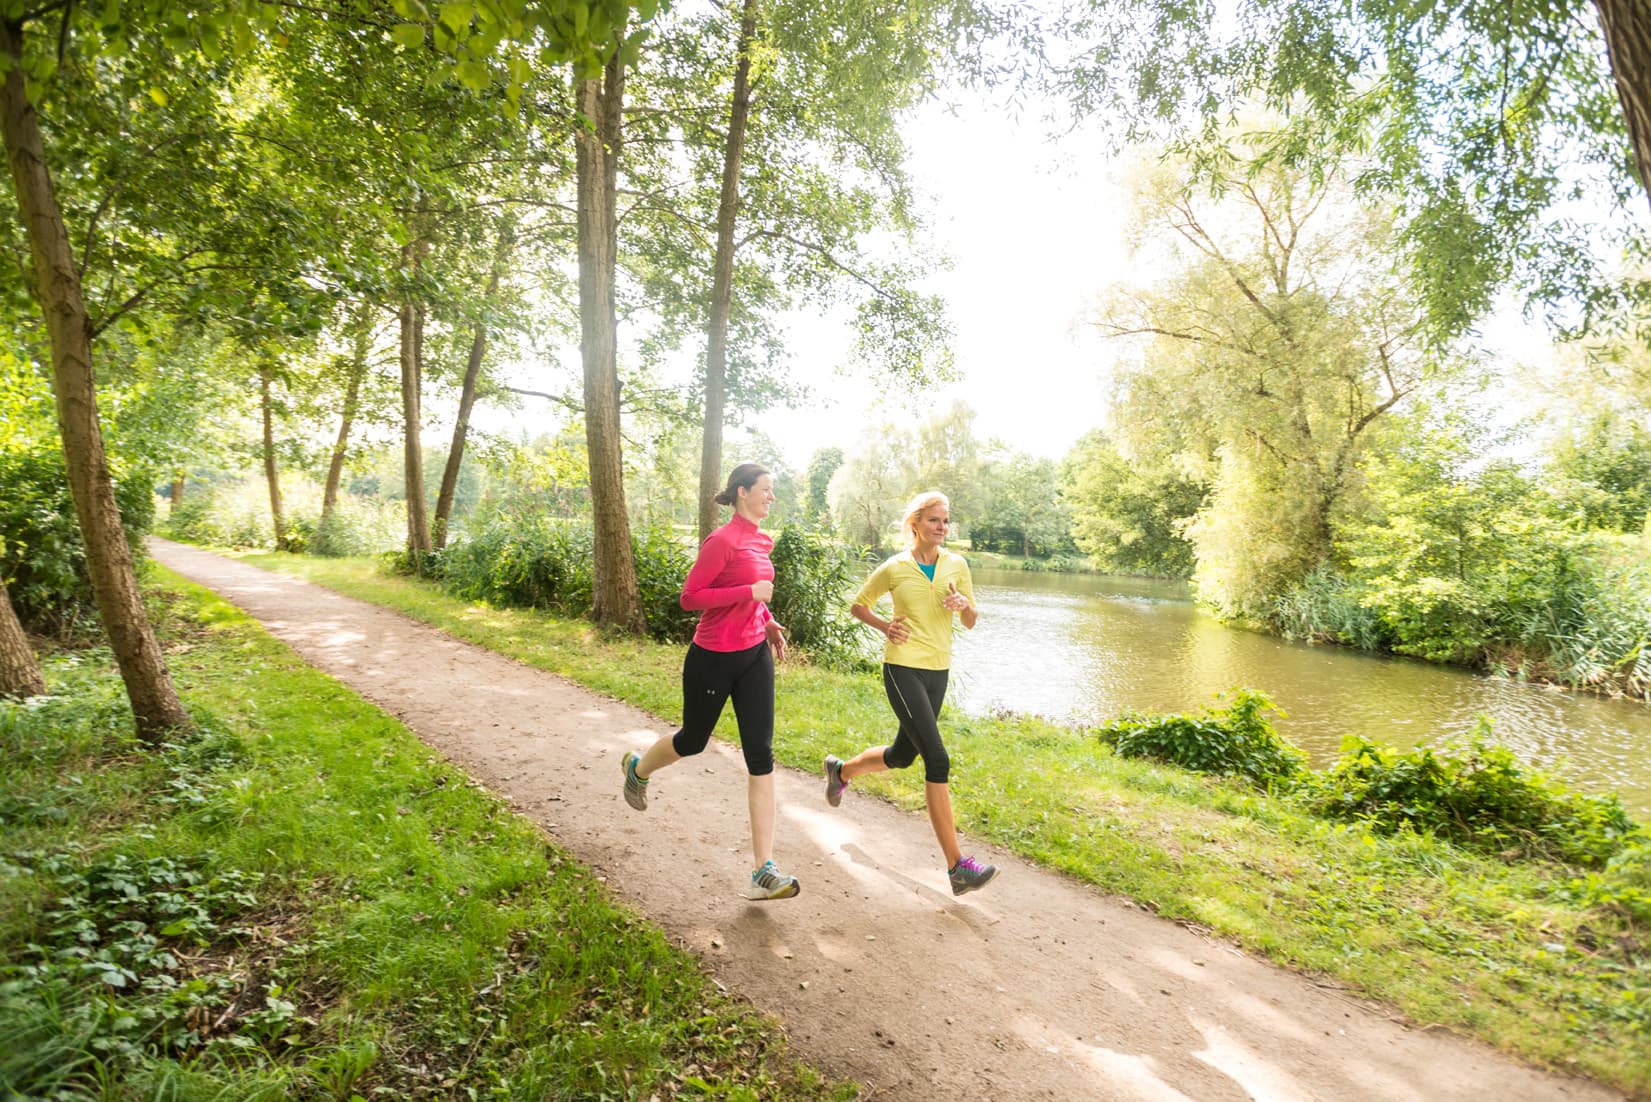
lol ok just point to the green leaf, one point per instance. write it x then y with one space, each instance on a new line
457 15
407 35
159 96
473 74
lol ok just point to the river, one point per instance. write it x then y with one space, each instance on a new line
1080 649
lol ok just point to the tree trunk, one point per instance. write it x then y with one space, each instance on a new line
19 670
352 399
617 602
412 375
1627 25
175 497
155 703
722 277
467 395
272 476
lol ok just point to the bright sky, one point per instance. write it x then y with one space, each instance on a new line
1030 228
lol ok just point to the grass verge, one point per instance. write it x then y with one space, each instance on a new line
1483 946
301 901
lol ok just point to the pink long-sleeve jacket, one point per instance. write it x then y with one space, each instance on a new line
731 560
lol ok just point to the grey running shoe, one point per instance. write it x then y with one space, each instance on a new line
636 789
769 882
834 780
968 874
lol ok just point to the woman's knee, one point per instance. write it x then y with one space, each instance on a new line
687 744
937 767
898 757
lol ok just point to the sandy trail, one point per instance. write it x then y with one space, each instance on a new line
1037 987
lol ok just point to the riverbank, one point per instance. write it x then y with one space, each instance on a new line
304 901
1450 938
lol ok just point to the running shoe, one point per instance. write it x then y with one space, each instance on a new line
636 789
769 882
968 874
834 780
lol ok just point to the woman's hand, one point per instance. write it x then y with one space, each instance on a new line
896 630
762 591
776 638
954 600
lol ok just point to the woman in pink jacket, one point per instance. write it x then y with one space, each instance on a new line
732 657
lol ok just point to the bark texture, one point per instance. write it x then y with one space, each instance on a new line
412 415
617 603
467 394
1627 25
272 473
19 669
722 277
56 283
346 422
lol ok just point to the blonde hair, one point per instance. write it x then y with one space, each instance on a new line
917 506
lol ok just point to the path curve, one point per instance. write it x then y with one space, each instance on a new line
1036 988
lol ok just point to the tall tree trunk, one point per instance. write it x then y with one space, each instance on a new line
272 476
722 277
1627 25
467 395
175 497
617 603
412 376
155 703
352 399
19 670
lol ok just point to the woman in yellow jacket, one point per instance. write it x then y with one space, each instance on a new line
929 586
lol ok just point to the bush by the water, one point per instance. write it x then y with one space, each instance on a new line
1476 794
813 578
1236 740
42 557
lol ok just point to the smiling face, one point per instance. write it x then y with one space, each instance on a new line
754 503
930 528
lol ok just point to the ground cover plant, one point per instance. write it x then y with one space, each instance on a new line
302 901
1545 959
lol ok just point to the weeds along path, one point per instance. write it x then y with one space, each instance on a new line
1035 988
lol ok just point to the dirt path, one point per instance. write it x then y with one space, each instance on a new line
1037 987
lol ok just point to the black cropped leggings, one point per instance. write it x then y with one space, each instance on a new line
709 678
916 696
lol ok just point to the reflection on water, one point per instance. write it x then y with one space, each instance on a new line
1080 649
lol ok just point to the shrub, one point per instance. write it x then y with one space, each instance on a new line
42 557
1478 794
1622 886
814 576
534 562
662 564
1236 740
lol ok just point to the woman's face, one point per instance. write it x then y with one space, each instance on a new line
756 501
932 525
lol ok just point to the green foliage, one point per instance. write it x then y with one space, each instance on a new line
1325 606
1476 794
529 562
1235 740
1602 470
1130 515
662 564
1622 886
813 578
42 556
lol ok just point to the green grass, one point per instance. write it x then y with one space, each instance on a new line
1447 936
303 901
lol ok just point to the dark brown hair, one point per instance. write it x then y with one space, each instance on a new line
742 477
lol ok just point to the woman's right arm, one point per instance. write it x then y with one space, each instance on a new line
698 593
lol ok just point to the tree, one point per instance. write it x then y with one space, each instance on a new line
19 669
1278 346
1480 118
822 465
57 286
617 601
1024 505
1128 514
